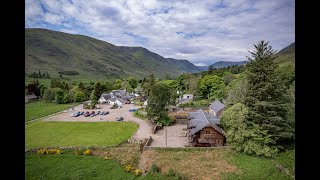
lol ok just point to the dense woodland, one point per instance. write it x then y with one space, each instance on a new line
259 117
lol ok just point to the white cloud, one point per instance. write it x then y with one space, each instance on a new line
209 30
200 64
53 18
70 31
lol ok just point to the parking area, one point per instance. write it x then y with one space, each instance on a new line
113 113
175 134
171 136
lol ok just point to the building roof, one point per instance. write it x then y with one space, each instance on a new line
212 118
119 92
106 96
216 105
127 97
32 96
115 99
199 121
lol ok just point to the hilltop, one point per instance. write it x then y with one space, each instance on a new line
54 51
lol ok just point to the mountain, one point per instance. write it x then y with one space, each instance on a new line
203 68
222 64
287 50
54 51
287 55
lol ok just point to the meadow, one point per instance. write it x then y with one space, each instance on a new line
48 134
40 109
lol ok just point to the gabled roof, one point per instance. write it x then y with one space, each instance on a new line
200 121
216 105
127 97
212 118
106 96
119 99
119 92
115 99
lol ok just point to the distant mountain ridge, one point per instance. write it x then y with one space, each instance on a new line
222 64
54 51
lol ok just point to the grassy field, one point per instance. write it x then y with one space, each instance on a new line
47 134
217 164
250 167
40 108
66 166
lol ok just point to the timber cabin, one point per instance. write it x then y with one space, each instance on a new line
204 130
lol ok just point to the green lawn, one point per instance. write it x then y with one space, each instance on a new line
251 167
47 134
40 108
66 166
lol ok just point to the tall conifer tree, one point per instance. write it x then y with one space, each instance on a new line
265 97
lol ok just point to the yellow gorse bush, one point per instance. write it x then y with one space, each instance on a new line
49 151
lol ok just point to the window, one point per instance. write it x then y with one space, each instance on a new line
207 131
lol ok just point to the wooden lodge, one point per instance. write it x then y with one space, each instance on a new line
204 130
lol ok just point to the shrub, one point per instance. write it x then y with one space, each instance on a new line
79 96
171 173
165 121
42 151
129 168
137 172
78 152
87 152
49 151
154 168
58 151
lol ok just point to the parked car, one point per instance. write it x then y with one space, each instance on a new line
86 114
107 112
81 113
128 102
99 112
76 114
119 118
132 109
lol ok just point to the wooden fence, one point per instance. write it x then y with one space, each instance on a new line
148 143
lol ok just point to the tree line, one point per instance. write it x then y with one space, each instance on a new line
44 75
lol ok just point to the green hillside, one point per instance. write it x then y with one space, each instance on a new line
286 56
53 52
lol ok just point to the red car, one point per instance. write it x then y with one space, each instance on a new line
86 114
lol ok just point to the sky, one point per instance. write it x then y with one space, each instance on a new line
201 31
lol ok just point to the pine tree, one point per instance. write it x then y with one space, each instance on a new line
266 95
